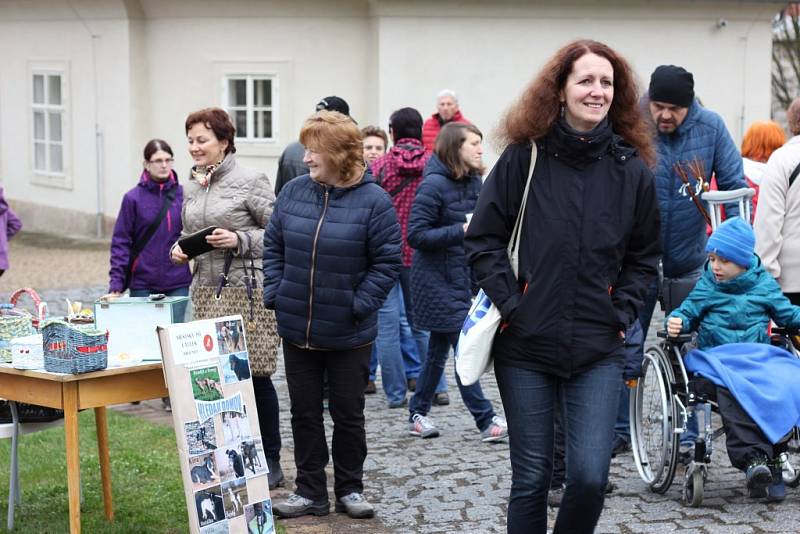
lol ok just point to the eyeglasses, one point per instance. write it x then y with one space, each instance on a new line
159 162
323 104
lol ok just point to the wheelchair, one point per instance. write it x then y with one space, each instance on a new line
664 397
660 405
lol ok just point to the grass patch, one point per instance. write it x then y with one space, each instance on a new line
146 479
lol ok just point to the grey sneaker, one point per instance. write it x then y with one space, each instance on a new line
355 505
496 431
296 505
422 426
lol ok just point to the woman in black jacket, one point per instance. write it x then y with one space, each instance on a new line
441 290
331 255
589 248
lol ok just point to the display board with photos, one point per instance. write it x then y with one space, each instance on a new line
224 469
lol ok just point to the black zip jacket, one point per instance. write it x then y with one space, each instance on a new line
590 247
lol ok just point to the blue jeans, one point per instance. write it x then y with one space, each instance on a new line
179 310
387 348
684 283
421 339
439 346
589 405
408 346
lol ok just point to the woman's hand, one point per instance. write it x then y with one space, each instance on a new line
674 326
110 296
222 238
177 256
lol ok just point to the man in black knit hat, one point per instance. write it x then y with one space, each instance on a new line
696 139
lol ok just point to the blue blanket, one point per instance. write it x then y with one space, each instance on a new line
764 379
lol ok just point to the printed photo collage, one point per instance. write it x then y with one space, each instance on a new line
224 455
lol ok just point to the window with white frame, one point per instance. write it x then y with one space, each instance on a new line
48 107
250 101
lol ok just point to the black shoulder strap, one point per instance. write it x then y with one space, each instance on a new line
402 185
794 174
138 247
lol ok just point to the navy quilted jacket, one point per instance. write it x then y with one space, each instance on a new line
441 290
703 136
331 255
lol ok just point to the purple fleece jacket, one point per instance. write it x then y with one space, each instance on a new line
9 226
152 269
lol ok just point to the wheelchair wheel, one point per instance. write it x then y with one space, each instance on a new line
693 488
791 462
653 415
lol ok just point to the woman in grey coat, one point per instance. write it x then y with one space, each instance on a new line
238 202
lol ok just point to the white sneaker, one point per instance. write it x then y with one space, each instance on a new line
422 426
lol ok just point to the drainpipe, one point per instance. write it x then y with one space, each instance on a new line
98 133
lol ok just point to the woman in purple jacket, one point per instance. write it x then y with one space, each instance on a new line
9 226
150 270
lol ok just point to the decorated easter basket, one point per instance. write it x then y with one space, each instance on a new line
71 348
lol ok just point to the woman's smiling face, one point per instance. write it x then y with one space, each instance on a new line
588 92
204 147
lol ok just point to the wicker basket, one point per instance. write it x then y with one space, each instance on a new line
27 352
29 413
75 349
13 324
40 307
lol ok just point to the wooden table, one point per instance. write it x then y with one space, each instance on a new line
77 392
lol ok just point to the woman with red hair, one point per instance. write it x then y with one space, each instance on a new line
589 249
761 139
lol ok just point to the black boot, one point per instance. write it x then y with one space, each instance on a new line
275 475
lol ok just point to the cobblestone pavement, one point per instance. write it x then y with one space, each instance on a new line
456 483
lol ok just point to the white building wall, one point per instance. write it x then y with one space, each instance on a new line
94 52
487 54
316 49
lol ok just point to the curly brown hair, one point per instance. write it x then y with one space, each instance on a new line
532 116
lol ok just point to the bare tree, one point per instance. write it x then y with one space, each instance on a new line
786 55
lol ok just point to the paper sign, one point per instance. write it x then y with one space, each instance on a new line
207 370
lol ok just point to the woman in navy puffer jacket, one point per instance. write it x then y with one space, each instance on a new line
441 291
331 256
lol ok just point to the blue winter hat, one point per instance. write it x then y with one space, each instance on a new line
733 240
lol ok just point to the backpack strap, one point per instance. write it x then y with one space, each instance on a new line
794 174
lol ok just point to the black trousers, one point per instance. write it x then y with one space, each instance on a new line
268 416
743 438
348 372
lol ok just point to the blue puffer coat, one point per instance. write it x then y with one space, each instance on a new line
703 136
441 290
331 255
738 310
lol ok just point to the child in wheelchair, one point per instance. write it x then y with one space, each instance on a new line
733 303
